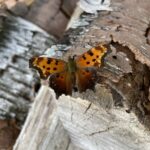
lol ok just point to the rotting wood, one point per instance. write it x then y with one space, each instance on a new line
19 40
42 129
101 128
101 120
126 66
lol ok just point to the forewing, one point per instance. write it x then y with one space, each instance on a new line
91 58
47 66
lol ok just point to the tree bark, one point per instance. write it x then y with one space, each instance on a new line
20 40
116 114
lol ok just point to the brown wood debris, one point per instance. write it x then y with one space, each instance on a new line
8 134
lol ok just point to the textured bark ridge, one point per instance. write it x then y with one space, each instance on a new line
20 40
117 114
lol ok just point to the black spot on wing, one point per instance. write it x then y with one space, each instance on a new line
56 63
93 60
84 57
90 53
49 60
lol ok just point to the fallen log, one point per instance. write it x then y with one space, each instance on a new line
117 114
42 129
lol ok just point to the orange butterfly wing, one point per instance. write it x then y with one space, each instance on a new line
47 66
85 79
60 79
61 83
91 58
87 64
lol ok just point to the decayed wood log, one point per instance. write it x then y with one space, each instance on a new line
42 129
117 114
99 127
17 38
126 66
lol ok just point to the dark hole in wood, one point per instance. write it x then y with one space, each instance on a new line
114 57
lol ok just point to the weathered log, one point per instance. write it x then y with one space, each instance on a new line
126 66
42 129
99 127
117 114
19 40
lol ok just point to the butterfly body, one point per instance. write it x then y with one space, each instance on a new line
79 72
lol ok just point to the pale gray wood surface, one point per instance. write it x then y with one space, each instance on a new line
19 41
90 125
42 129
93 127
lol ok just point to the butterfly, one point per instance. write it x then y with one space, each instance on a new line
78 73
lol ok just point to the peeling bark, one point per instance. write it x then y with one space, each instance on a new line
117 114
19 40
